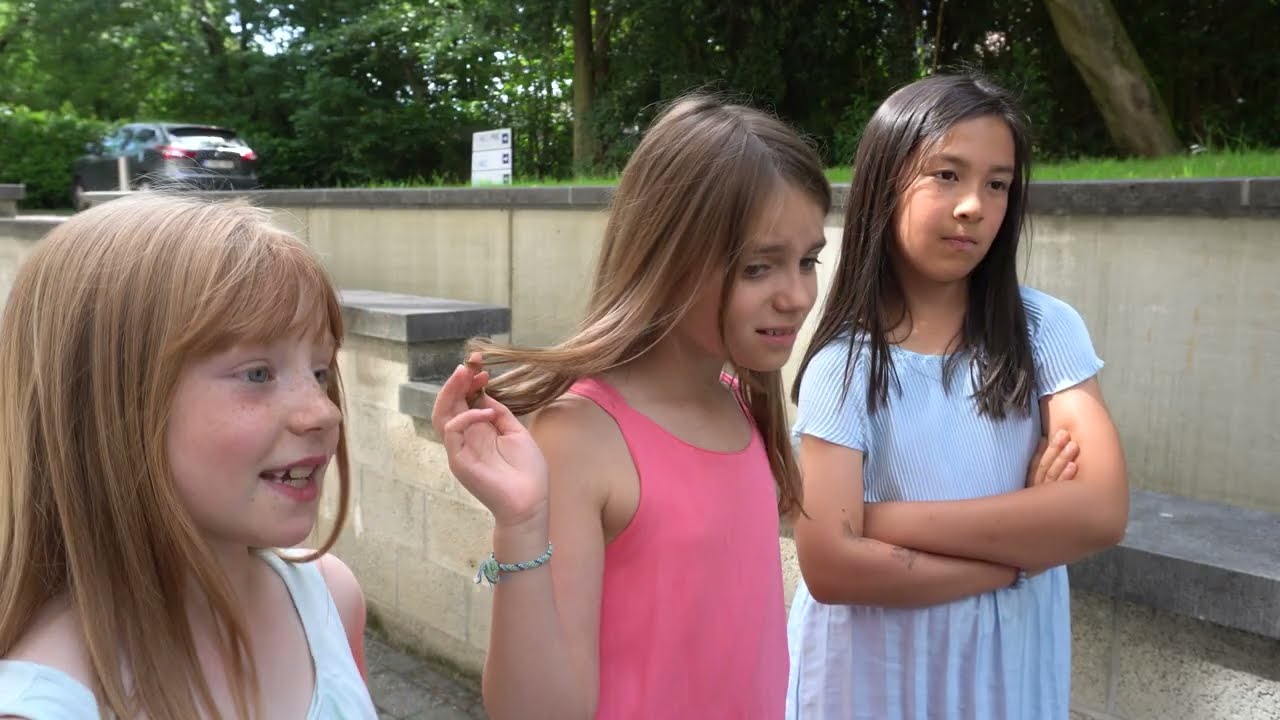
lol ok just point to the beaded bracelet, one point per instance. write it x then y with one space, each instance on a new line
490 569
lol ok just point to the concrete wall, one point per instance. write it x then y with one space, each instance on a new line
1185 312
1176 281
538 262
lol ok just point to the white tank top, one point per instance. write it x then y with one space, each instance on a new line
40 692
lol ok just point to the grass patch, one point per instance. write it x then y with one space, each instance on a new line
1259 163
1247 163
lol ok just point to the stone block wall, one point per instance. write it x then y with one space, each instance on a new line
413 536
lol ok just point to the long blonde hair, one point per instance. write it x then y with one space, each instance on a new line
678 222
102 318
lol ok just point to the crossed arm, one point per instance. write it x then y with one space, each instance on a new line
841 564
1038 527
922 553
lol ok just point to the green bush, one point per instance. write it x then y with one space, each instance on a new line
37 149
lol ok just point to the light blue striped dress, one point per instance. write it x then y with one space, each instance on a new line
1002 655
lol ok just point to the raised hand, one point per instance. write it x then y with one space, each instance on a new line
490 452
1054 460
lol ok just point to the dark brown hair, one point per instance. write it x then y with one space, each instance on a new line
903 131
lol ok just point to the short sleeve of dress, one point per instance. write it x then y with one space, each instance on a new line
829 408
1060 343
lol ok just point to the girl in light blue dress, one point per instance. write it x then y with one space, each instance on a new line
933 580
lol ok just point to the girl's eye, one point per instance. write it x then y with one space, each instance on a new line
754 271
948 175
810 263
322 377
999 185
260 374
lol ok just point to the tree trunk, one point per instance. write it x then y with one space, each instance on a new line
584 140
600 56
1093 35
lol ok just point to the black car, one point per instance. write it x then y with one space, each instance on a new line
183 155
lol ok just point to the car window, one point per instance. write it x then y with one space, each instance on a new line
204 137
116 140
139 139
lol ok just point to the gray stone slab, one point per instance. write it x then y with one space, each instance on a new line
1207 197
1213 197
1199 559
591 195
418 398
1263 194
566 196
13 192
415 319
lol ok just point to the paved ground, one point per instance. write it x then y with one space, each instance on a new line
405 687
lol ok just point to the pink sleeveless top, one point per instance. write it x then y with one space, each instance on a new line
692 619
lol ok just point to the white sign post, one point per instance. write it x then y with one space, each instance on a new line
491 152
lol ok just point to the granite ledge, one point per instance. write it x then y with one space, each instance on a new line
418 398
1209 561
1204 197
416 319
1207 197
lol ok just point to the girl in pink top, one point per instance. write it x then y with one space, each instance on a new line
656 478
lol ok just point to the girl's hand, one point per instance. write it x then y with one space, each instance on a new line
490 452
1054 460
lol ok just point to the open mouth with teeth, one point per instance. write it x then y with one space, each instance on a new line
294 477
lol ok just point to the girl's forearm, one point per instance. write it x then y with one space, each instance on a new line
529 671
1035 528
864 571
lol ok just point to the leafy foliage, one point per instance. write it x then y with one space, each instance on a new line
346 92
38 149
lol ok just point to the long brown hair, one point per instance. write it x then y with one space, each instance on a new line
678 223
102 319
899 135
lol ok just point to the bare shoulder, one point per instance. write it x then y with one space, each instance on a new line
574 427
346 591
54 640
576 424
570 414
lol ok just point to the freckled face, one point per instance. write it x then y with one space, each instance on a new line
249 436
